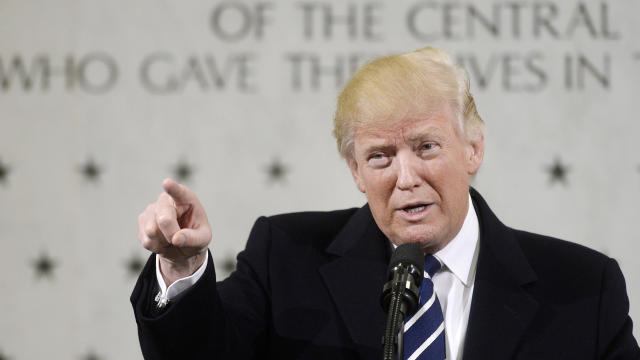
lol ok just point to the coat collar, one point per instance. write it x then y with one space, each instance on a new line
355 277
501 309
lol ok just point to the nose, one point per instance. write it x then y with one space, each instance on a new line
408 171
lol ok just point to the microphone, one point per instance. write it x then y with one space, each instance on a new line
400 295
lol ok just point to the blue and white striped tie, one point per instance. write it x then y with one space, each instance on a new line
424 331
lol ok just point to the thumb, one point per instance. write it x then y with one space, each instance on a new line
189 238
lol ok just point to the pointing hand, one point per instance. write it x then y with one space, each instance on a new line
176 228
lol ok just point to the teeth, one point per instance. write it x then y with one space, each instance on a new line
416 209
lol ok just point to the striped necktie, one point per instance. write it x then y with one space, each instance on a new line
424 330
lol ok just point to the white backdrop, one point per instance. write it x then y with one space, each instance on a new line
101 100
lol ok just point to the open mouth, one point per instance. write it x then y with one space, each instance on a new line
415 208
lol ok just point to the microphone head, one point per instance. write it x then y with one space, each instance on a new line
408 254
407 262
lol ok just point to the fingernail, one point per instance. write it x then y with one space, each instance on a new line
180 240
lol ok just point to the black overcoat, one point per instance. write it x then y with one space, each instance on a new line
307 286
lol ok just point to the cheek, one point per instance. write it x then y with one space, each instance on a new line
379 189
452 168
378 195
450 181
378 181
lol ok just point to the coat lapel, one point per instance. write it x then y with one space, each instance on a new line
355 278
501 309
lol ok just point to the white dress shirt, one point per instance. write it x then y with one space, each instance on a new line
453 283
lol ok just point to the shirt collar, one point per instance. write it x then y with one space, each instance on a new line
458 255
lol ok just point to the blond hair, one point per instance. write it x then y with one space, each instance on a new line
396 87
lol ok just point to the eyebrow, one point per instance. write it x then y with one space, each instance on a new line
430 132
385 148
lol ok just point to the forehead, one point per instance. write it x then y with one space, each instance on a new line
412 128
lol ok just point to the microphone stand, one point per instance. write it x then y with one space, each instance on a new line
394 333
400 296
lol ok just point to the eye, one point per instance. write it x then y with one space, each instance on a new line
378 160
428 149
428 146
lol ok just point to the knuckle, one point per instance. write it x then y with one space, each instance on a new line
164 221
147 244
150 229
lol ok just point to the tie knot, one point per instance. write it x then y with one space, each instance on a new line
431 265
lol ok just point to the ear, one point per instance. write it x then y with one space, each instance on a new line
475 154
353 166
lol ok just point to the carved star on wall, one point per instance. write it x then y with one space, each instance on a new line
91 356
183 171
134 265
4 175
277 171
44 266
229 264
558 172
90 170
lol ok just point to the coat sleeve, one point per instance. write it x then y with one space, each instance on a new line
615 337
226 320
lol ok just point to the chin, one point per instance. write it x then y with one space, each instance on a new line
423 236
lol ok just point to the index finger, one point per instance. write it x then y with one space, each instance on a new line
179 193
166 216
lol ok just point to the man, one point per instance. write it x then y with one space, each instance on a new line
307 285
